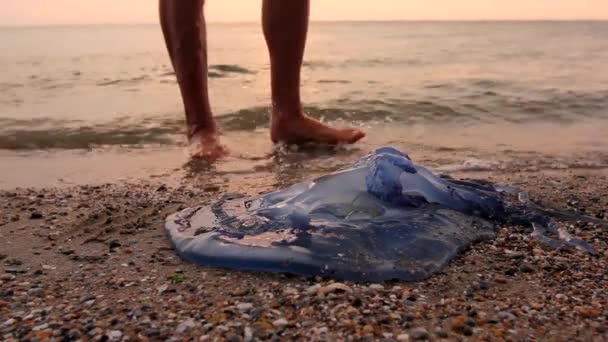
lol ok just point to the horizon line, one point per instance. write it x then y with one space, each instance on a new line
314 21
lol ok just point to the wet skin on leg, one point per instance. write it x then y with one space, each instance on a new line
184 29
285 25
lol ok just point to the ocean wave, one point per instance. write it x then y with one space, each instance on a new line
129 81
85 137
549 106
334 81
47 133
230 68
363 62
256 117
525 163
6 86
73 79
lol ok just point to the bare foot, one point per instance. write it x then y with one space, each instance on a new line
207 146
301 129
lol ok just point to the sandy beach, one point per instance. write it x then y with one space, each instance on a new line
93 262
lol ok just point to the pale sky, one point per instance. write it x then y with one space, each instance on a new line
50 12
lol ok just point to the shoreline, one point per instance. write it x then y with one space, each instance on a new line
444 148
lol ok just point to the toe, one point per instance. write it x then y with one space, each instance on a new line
355 136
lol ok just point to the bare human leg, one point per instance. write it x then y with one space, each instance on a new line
183 24
285 26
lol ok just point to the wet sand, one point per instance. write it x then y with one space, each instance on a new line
533 146
93 262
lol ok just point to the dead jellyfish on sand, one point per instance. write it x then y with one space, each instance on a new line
383 218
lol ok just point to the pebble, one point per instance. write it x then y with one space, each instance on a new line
248 334
36 291
526 268
153 332
333 288
313 289
419 334
506 316
40 327
43 335
376 287
500 280
408 317
537 306
244 307
86 298
36 216
290 291
470 322
74 334
498 332
484 285
115 335
440 332
457 323
322 330
587 312
280 323
7 277
95 332
185 325
13 262
403 337
114 244
240 292
233 338
161 289
212 188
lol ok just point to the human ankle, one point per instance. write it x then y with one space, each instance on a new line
286 110
286 102
201 130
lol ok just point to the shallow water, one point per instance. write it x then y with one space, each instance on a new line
108 91
100 85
